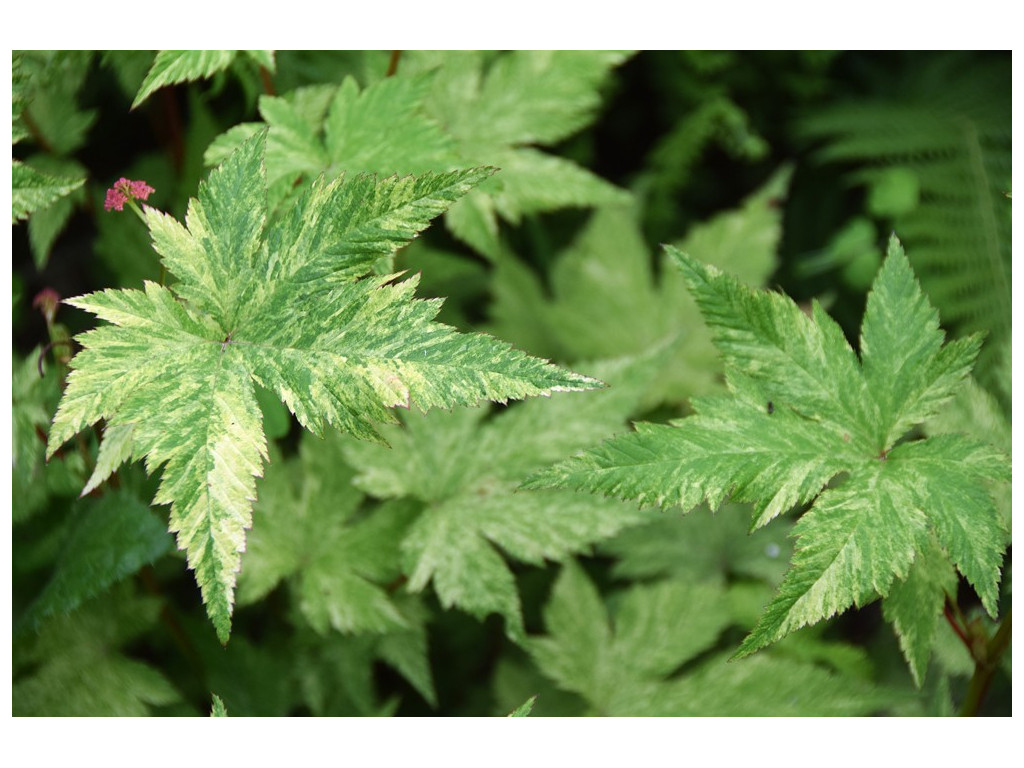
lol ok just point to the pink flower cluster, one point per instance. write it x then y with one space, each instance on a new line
125 190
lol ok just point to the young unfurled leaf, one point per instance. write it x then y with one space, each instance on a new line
833 414
279 305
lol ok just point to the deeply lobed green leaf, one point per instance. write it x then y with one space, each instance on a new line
75 666
805 411
461 467
305 533
277 305
442 111
626 660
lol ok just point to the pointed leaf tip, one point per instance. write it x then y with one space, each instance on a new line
829 413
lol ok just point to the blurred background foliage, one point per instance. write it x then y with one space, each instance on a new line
789 169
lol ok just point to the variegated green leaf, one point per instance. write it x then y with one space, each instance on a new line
172 67
462 468
807 414
914 606
304 533
442 111
280 306
34 190
499 112
853 544
380 129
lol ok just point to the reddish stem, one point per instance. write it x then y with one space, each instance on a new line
47 348
268 82
33 129
955 624
172 124
393 63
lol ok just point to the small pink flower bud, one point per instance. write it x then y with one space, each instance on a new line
125 190
46 301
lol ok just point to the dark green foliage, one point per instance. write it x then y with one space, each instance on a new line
935 157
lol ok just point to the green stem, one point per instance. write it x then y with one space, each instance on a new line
986 662
142 217
138 211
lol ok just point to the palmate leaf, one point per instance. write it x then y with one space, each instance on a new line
280 306
380 129
623 664
304 531
500 109
338 562
444 110
805 410
461 470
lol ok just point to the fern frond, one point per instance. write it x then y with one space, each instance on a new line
952 132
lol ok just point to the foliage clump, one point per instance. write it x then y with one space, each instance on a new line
381 349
